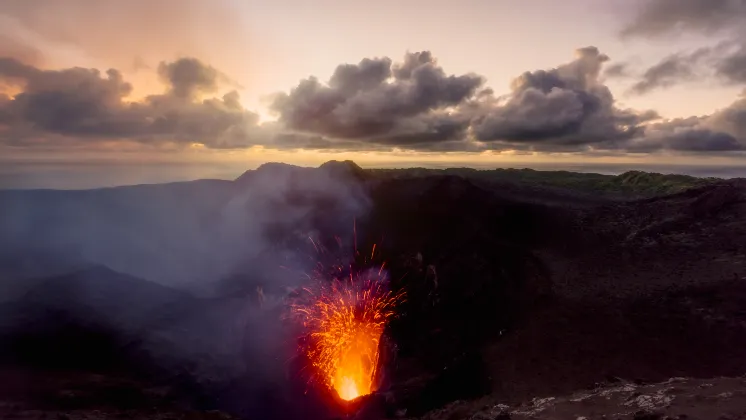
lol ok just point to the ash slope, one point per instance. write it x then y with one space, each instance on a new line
517 287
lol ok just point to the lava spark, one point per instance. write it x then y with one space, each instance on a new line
344 320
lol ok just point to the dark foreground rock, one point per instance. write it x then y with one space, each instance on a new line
676 398
64 395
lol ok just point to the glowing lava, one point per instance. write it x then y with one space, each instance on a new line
344 320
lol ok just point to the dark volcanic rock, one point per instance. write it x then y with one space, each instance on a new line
639 248
85 318
676 398
346 169
37 395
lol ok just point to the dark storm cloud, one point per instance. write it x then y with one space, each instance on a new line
563 108
378 102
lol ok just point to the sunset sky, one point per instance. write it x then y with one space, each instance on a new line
473 82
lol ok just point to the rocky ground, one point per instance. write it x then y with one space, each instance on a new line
677 398
29 395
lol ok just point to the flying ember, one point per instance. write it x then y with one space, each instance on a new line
344 314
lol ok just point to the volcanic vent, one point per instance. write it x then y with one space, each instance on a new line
344 312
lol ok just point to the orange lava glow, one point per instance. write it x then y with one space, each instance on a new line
345 321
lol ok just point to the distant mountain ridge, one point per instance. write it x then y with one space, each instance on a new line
628 185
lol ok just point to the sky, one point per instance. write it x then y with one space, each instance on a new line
235 83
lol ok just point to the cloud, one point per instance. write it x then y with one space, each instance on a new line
726 18
374 105
723 131
671 70
617 70
381 103
731 119
661 17
732 67
563 108
11 47
685 135
90 106
73 101
189 78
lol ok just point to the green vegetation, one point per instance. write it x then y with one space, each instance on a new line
628 184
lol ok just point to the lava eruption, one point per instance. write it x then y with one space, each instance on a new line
344 313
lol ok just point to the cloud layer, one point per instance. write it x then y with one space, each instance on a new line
662 17
382 104
721 19
83 105
725 60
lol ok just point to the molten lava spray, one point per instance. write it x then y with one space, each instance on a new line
344 319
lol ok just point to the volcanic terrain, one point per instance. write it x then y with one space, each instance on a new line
528 295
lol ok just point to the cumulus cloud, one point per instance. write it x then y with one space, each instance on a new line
685 135
381 103
723 131
188 77
90 106
559 109
731 119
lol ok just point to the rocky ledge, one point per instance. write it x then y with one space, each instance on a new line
677 398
